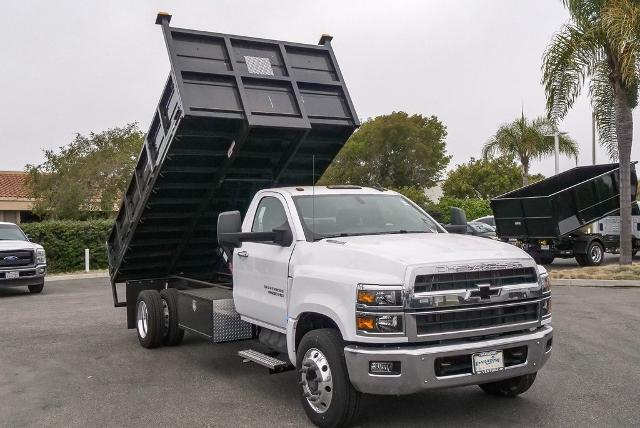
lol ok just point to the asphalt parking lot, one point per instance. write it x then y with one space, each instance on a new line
66 359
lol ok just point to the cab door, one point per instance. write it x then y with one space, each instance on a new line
261 269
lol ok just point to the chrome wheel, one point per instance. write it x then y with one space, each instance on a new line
143 319
316 381
596 254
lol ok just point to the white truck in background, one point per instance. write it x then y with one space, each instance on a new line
609 228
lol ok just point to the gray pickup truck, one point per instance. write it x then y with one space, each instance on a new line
22 263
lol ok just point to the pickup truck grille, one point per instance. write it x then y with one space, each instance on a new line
9 259
470 280
445 321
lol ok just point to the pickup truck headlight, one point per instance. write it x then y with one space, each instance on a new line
374 296
543 279
380 323
41 256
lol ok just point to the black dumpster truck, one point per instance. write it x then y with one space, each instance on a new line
548 218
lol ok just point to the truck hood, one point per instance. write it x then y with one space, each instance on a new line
423 248
18 245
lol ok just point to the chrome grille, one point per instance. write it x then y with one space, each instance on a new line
470 280
446 321
9 259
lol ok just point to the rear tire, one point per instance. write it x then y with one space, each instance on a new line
321 355
149 319
173 334
36 289
509 387
594 255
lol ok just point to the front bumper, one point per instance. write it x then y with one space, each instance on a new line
418 364
32 275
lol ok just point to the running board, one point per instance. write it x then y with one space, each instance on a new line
273 364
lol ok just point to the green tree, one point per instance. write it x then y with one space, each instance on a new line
484 178
394 151
86 176
600 43
527 140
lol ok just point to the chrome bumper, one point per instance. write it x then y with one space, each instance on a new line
30 275
418 363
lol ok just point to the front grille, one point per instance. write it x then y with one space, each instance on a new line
9 259
473 318
467 280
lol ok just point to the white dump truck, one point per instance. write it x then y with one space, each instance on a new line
358 289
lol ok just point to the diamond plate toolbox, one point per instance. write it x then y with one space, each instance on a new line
227 325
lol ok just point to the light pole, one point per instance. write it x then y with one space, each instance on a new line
556 139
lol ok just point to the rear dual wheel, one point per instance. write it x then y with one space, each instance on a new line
594 255
157 318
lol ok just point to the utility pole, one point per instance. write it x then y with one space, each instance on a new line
593 138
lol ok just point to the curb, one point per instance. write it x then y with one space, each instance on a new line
76 276
596 282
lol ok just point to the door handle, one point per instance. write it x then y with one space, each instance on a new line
243 254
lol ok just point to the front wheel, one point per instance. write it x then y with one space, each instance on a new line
509 387
37 288
328 398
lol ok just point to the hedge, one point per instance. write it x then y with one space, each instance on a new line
65 240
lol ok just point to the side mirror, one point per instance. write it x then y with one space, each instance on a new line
229 225
458 221
283 235
458 217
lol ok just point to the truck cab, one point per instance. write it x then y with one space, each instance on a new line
22 262
410 306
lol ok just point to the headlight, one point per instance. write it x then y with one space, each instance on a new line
41 257
545 283
369 296
380 323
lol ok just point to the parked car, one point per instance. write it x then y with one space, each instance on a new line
488 219
483 230
22 263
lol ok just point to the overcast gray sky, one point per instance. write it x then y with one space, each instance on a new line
80 66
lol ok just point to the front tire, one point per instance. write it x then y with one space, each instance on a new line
509 387
149 319
328 398
37 288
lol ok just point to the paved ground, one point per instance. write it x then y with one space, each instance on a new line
67 360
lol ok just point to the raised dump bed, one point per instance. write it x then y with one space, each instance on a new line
560 204
237 114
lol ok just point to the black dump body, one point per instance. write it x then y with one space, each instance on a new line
236 115
560 204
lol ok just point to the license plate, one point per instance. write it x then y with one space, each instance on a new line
544 247
12 275
488 362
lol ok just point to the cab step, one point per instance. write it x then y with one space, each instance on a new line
273 364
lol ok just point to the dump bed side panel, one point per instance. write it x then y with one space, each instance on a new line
560 204
237 114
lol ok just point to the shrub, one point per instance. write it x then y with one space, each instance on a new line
65 241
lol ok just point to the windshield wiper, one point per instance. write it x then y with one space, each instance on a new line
389 232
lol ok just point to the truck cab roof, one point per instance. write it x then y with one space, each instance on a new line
330 190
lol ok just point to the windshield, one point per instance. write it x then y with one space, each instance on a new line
351 215
11 232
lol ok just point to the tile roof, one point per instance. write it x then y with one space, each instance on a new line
12 184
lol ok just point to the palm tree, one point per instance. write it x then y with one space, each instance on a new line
526 140
600 43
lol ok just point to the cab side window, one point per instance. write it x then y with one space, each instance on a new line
269 215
